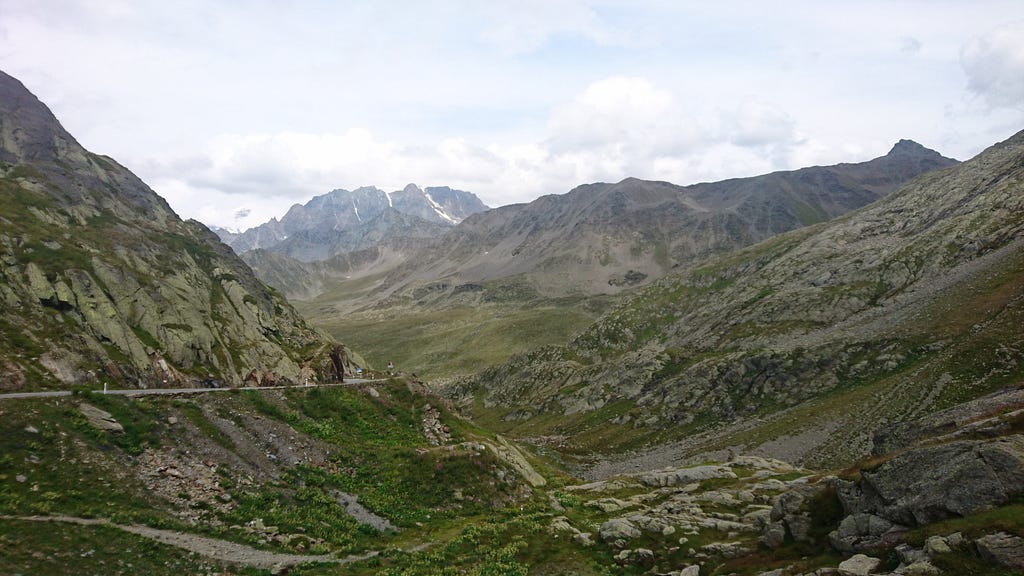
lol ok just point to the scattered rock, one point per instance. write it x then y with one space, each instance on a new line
936 545
858 565
863 531
920 568
436 433
774 535
909 555
618 531
561 524
678 476
585 539
100 419
726 549
643 557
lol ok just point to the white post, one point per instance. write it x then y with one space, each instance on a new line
104 387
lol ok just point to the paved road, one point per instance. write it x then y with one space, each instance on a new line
156 391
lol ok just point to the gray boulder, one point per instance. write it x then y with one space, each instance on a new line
618 531
858 565
863 532
933 483
1002 549
680 476
100 419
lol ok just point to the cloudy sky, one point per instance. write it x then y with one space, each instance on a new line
235 110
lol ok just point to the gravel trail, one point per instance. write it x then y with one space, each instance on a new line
210 547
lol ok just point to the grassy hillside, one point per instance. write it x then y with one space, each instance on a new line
276 472
439 336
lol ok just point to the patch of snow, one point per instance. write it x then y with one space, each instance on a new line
437 208
388 194
356 208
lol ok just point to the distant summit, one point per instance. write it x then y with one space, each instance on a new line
343 221
910 148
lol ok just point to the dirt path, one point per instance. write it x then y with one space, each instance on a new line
206 546
172 391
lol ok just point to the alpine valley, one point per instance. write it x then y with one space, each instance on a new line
811 372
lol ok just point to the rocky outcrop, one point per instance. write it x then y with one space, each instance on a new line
511 455
100 280
1002 549
679 476
925 485
100 419
933 483
618 531
790 515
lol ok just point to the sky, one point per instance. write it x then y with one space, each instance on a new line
234 110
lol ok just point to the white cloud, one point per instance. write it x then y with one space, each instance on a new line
994 64
222 107
757 123
615 128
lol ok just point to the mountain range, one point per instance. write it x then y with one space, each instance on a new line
345 221
831 332
596 239
881 344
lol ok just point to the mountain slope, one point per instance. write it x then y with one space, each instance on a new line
100 280
606 238
906 306
601 237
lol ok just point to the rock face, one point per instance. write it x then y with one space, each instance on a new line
346 221
100 280
925 485
933 483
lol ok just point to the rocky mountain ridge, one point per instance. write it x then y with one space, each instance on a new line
915 297
344 221
100 279
606 238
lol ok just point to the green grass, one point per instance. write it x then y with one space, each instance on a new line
464 340
67 467
381 455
